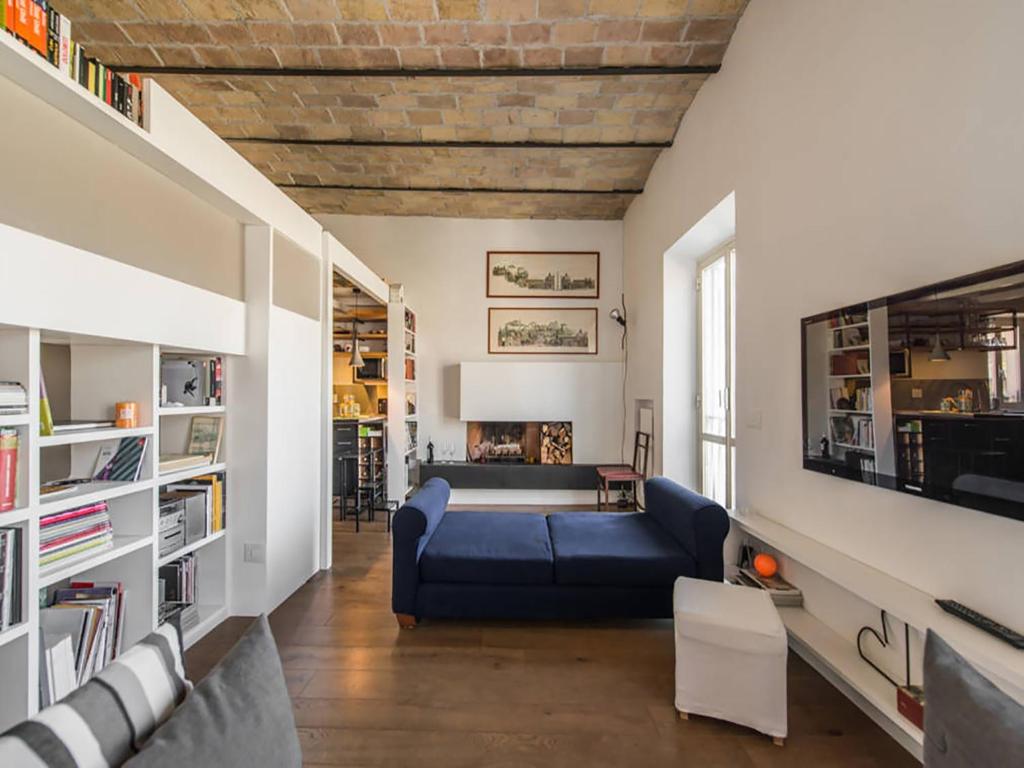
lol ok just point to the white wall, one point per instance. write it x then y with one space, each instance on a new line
442 264
872 148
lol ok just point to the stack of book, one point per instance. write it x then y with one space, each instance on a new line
781 591
74 534
48 33
81 633
13 398
9 445
10 577
177 592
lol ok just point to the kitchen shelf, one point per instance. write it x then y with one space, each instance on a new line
846 412
14 420
849 447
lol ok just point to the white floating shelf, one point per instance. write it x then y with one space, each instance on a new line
193 547
1001 662
92 436
123 545
196 410
187 474
89 493
14 420
209 617
13 633
837 659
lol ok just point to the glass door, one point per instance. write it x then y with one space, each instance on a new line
715 394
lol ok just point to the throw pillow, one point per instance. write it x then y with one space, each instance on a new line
968 721
105 721
239 716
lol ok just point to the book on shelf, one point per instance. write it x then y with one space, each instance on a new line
177 462
65 537
10 577
781 591
80 425
176 591
91 616
191 383
48 32
45 412
13 397
126 463
10 445
121 463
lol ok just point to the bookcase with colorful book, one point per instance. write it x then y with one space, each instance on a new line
85 570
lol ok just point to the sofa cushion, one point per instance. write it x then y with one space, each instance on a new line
488 548
613 549
239 716
105 721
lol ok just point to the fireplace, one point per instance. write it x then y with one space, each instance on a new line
519 442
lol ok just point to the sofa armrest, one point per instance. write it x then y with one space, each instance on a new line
412 528
699 524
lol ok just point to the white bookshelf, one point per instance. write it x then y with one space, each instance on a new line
100 373
401 347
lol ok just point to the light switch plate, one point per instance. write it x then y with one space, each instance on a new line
254 553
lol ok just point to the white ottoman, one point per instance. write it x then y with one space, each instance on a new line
730 655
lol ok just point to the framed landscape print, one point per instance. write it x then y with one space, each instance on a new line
544 274
549 331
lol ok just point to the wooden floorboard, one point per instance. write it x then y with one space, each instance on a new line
453 694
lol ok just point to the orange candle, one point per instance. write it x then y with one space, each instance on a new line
127 415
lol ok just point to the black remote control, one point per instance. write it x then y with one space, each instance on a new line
984 623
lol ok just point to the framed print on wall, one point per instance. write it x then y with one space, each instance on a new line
543 274
547 331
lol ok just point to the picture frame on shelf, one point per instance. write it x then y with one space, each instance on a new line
544 274
542 331
205 434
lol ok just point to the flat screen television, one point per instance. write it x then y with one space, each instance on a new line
921 392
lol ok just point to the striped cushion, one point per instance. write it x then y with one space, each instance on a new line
108 719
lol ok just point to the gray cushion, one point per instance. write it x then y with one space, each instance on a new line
239 716
968 721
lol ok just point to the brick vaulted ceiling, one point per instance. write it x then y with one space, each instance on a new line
477 108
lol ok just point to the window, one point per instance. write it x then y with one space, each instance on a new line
716 352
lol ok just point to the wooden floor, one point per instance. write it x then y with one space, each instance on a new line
453 694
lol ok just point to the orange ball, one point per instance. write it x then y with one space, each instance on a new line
766 565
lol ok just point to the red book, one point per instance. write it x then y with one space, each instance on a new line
8 469
72 514
109 89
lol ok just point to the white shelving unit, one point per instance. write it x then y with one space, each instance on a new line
402 349
836 658
101 372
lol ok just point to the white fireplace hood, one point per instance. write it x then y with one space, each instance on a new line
589 394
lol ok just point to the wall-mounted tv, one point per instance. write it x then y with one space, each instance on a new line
921 392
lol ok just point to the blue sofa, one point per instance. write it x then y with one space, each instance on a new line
566 565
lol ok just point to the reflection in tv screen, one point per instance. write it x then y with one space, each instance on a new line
921 392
